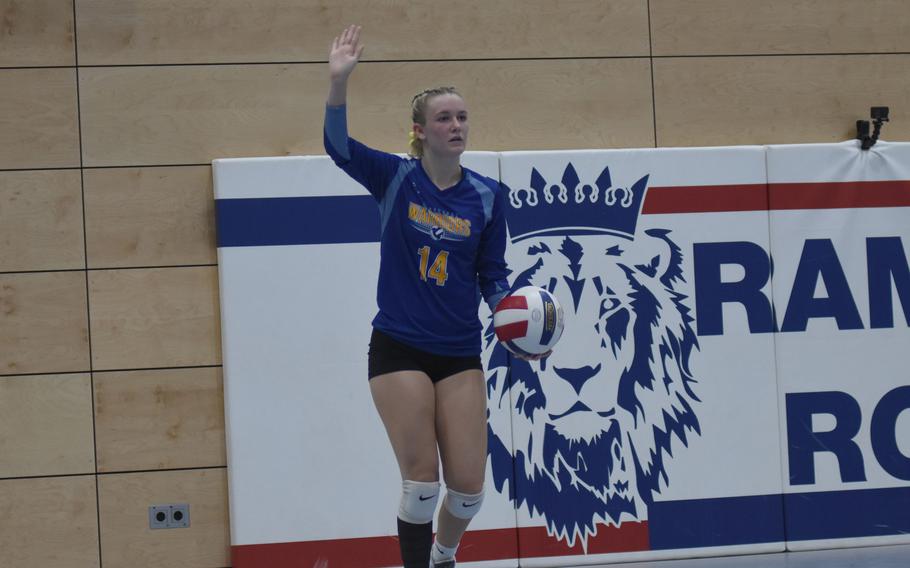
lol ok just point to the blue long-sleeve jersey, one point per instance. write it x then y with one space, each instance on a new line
440 249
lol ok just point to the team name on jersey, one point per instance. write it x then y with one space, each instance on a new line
427 220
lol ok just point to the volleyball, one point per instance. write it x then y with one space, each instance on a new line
528 321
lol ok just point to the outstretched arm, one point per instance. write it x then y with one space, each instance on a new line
343 57
371 168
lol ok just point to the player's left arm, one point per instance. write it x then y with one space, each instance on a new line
492 271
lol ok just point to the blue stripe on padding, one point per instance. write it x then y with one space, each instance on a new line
716 522
845 514
757 519
296 220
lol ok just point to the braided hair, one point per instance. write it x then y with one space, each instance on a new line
419 115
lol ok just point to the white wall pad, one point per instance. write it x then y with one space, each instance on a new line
651 432
298 261
689 383
840 237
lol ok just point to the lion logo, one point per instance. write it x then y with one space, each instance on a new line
592 425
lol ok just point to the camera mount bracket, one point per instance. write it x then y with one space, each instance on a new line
879 116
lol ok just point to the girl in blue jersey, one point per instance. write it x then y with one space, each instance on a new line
442 245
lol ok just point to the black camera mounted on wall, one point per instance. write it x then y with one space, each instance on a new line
879 116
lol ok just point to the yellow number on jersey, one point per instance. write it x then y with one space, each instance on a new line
438 270
424 253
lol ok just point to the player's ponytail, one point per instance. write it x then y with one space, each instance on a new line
419 115
415 145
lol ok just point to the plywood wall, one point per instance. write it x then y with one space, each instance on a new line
110 113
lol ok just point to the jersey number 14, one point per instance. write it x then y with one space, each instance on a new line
437 270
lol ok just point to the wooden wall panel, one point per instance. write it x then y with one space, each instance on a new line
38 119
159 317
514 105
41 221
163 419
171 115
43 327
49 522
150 216
773 100
46 425
36 33
190 115
113 32
537 75
730 27
127 541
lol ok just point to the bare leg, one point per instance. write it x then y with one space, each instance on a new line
407 406
406 403
461 430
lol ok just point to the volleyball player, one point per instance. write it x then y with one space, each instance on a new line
442 245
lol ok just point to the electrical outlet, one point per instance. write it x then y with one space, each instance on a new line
172 516
180 516
159 516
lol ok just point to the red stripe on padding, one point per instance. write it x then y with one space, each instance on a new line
706 198
381 552
372 552
375 552
512 303
628 537
491 544
777 196
840 195
511 331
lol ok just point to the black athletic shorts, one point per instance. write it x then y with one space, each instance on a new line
388 355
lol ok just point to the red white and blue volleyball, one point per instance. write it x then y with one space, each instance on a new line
528 321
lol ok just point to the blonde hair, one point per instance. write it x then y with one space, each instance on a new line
419 115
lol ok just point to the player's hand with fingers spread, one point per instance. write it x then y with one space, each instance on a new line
345 53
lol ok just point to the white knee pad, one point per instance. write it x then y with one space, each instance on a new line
462 505
418 501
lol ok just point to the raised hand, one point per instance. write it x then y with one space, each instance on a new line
345 53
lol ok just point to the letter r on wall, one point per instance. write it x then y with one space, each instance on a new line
803 443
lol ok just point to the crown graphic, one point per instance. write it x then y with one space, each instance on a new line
572 207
